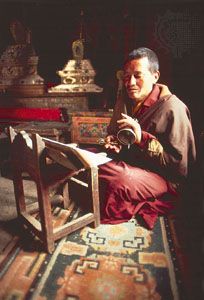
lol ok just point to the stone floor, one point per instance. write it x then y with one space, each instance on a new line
8 212
8 207
7 199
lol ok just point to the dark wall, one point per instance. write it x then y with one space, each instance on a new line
174 29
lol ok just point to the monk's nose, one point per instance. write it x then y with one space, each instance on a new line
133 80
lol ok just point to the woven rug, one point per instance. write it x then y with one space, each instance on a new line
112 262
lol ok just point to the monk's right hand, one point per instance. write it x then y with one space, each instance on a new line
111 143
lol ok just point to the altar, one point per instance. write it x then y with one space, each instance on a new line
54 115
46 107
27 101
67 101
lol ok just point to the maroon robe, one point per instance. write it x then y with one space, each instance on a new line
142 183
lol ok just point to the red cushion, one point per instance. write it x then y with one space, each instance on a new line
29 114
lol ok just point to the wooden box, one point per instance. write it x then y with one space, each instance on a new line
88 128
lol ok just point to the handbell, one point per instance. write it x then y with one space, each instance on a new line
126 136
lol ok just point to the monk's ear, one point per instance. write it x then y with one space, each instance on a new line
156 76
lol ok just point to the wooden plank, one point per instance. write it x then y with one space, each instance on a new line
66 197
31 223
61 158
73 225
79 181
94 190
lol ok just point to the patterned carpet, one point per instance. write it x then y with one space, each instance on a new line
112 262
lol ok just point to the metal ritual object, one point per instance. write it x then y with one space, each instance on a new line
102 142
19 63
78 74
126 136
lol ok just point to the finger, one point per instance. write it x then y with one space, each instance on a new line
125 125
109 138
121 121
117 149
125 116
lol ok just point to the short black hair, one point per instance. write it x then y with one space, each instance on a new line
145 52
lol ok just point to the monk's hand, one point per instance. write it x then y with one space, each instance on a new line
111 143
129 122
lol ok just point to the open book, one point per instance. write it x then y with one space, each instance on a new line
76 158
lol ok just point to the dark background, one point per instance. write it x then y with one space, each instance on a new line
172 28
111 29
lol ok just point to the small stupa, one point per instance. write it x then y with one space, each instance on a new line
78 74
19 63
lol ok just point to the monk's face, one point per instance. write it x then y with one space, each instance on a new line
138 79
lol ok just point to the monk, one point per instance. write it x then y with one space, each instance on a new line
146 176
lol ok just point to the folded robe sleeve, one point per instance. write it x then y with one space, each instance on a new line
168 139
